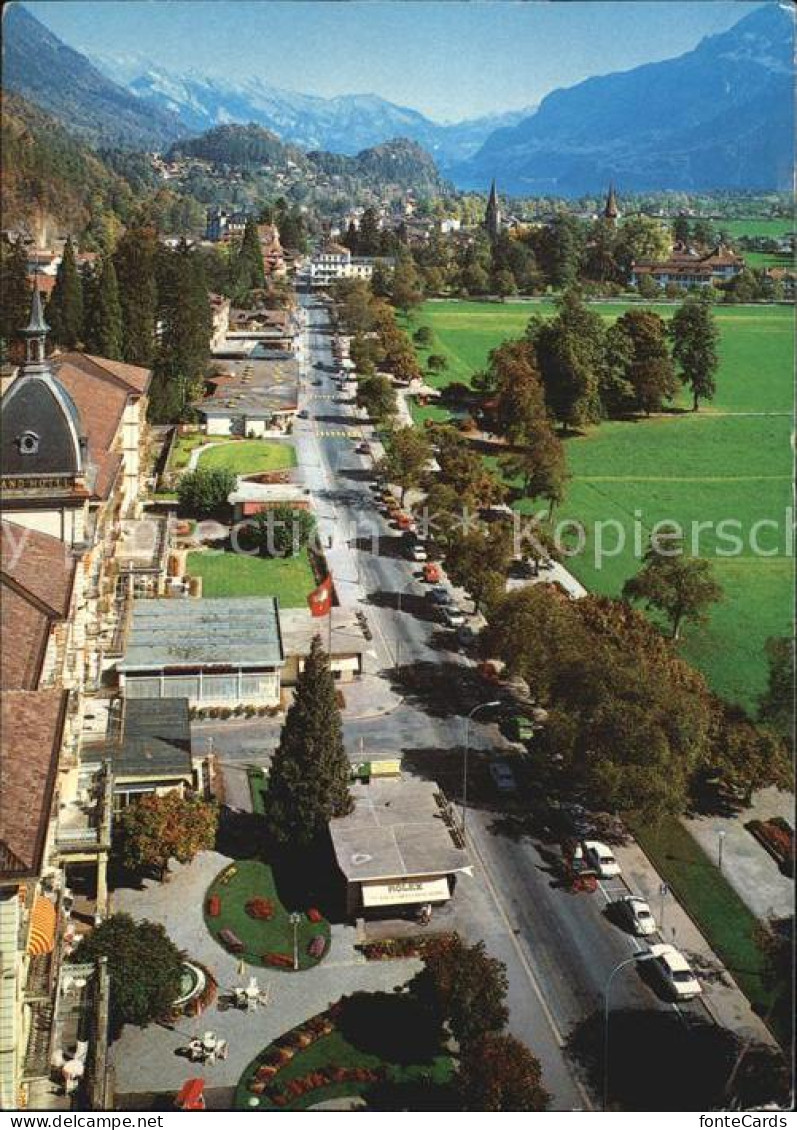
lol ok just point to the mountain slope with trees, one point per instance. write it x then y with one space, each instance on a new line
63 82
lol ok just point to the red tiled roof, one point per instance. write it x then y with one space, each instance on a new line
37 576
135 377
25 632
39 564
32 726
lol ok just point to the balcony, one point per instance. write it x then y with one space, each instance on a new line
84 824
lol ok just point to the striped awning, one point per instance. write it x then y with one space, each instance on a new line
42 927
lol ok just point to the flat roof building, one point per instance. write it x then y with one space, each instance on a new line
398 847
216 652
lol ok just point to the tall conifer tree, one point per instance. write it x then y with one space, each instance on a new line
14 290
134 261
309 779
65 308
103 320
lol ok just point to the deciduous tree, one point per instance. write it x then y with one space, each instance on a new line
283 531
695 338
154 829
407 454
378 397
680 587
465 987
144 969
203 493
499 1073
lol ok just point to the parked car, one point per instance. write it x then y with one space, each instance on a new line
521 728
431 573
303 414
673 971
503 777
602 859
634 913
466 635
363 449
451 616
440 596
417 552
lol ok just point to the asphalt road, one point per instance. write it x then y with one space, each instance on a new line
560 948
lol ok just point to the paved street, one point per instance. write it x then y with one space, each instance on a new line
559 948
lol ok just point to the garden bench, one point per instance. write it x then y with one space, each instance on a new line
231 940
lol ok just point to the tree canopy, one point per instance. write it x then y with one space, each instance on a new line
144 967
155 829
682 588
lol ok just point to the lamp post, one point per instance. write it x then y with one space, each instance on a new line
720 843
606 991
480 706
295 919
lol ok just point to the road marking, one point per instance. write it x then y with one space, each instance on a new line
560 1040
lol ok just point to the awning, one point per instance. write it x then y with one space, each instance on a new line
42 927
405 891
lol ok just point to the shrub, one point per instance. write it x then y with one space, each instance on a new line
260 908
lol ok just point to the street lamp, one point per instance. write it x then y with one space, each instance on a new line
606 991
480 706
295 919
721 841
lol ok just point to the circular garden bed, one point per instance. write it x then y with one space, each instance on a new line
338 1053
244 914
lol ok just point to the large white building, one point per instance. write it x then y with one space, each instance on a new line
335 262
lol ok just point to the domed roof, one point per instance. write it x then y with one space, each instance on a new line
41 428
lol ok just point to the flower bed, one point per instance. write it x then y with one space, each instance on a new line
315 1061
777 837
244 913
414 946
260 908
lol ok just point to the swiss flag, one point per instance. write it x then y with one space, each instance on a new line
320 600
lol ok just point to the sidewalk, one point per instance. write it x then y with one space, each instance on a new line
746 865
723 997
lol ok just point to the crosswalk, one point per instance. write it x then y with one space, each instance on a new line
327 433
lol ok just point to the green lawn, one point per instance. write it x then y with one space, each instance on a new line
336 1050
290 579
247 457
731 461
184 445
728 925
234 886
258 783
765 226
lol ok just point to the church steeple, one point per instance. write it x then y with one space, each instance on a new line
611 211
492 215
35 333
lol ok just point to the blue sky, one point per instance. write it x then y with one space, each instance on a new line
449 59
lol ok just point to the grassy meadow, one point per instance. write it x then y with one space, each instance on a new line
731 462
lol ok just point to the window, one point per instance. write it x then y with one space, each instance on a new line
28 443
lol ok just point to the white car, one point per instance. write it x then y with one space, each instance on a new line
601 858
451 616
673 971
418 552
503 777
636 915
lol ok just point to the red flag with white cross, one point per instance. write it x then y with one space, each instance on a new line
320 600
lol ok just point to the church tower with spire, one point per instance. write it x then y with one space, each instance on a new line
492 215
611 212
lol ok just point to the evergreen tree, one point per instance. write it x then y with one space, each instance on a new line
65 308
135 270
14 290
184 310
368 240
103 313
249 271
309 779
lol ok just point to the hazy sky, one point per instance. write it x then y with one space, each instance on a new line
449 59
